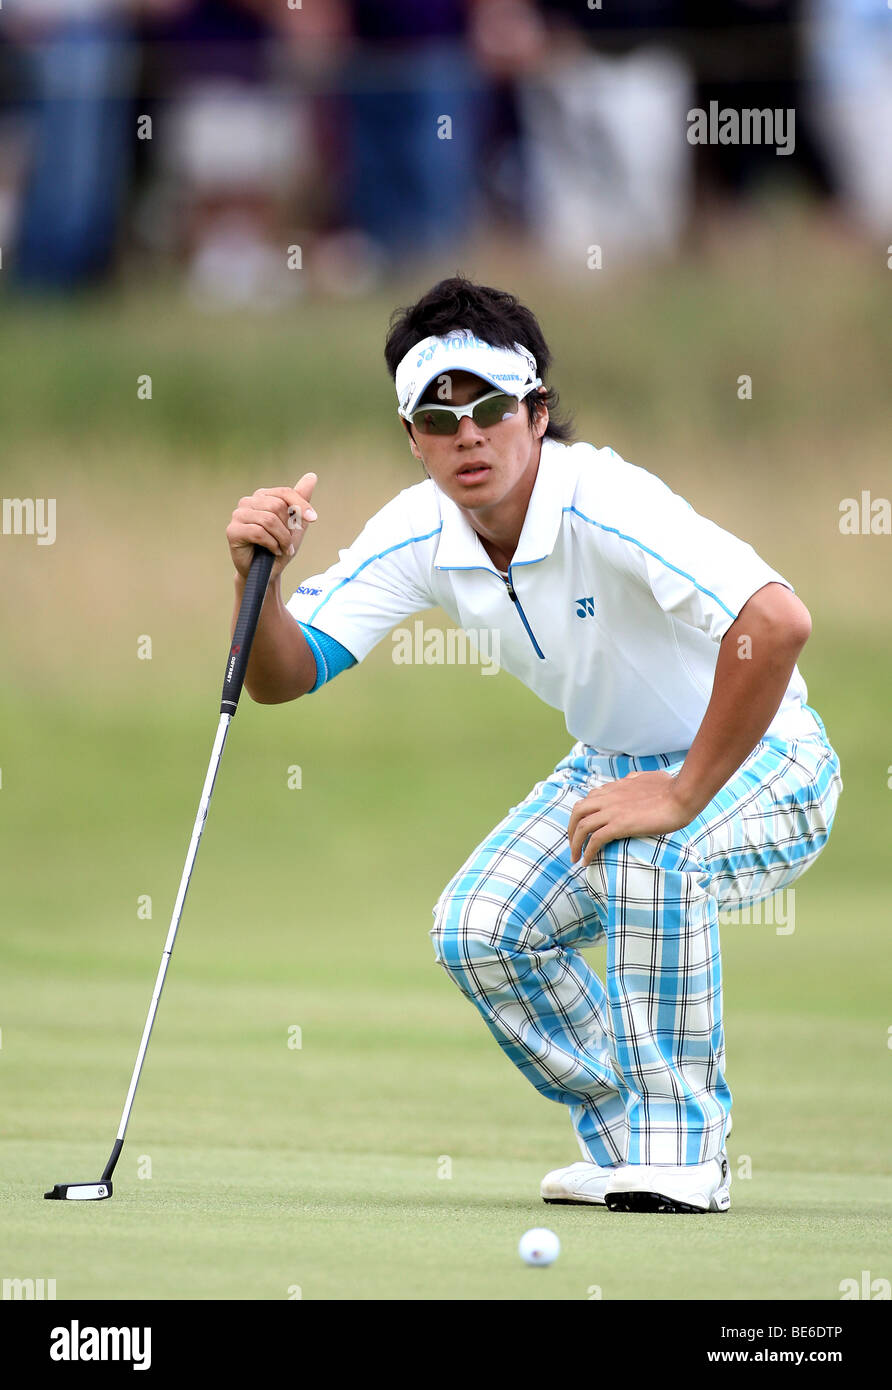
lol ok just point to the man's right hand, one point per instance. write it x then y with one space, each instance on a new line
275 517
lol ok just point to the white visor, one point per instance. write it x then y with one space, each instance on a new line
506 369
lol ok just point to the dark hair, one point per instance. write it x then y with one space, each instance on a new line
493 315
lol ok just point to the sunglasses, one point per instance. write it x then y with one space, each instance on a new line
487 411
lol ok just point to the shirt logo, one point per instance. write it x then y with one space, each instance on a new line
585 607
306 589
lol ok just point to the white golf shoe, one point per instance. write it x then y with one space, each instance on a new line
694 1187
582 1184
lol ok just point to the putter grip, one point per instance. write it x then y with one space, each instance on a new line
245 627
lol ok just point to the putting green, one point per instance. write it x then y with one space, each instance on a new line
394 1152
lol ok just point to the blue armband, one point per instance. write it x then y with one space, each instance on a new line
331 658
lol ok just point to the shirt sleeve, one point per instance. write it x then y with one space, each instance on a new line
377 582
697 572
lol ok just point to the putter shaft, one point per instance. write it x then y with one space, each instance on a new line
197 829
233 680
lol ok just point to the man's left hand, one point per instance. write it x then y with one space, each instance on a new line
643 803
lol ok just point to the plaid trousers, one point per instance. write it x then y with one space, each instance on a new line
641 1062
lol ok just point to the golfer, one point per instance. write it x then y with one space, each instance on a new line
699 778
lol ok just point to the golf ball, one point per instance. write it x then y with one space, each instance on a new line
539 1247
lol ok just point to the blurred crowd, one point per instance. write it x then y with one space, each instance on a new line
243 139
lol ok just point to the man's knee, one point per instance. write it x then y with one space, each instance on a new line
478 930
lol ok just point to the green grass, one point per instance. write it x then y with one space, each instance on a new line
256 1222
319 1166
275 1166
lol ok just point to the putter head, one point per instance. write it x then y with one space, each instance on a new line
79 1192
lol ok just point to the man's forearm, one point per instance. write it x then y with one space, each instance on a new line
749 684
281 667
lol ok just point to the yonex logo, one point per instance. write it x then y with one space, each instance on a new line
585 607
454 342
306 589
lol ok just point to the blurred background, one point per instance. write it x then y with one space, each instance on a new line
208 211
141 135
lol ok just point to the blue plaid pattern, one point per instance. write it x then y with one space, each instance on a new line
640 1063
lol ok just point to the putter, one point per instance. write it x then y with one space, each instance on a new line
236 665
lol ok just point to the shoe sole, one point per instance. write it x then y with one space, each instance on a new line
655 1201
574 1201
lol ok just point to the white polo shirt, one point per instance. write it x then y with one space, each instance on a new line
623 594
